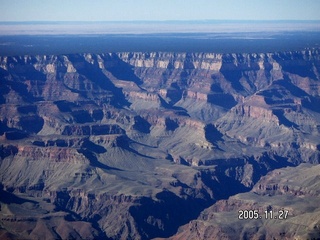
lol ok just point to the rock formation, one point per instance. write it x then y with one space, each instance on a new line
291 194
123 145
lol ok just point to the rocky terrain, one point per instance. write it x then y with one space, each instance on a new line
293 190
134 145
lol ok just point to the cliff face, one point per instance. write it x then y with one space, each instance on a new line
100 136
292 191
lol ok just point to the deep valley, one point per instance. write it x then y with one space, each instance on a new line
142 145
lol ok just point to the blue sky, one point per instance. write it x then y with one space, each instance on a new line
128 10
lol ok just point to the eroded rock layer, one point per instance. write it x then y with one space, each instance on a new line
126 144
282 205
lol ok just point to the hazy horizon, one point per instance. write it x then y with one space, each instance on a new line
148 27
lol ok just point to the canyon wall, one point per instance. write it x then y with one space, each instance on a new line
126 143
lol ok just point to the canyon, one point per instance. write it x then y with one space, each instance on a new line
293 190
141 145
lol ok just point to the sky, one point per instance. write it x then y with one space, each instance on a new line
158 10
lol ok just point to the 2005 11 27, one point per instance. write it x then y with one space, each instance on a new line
268 214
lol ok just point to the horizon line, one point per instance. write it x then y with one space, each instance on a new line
158 21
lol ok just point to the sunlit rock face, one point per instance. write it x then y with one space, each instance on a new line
123 145
290 194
